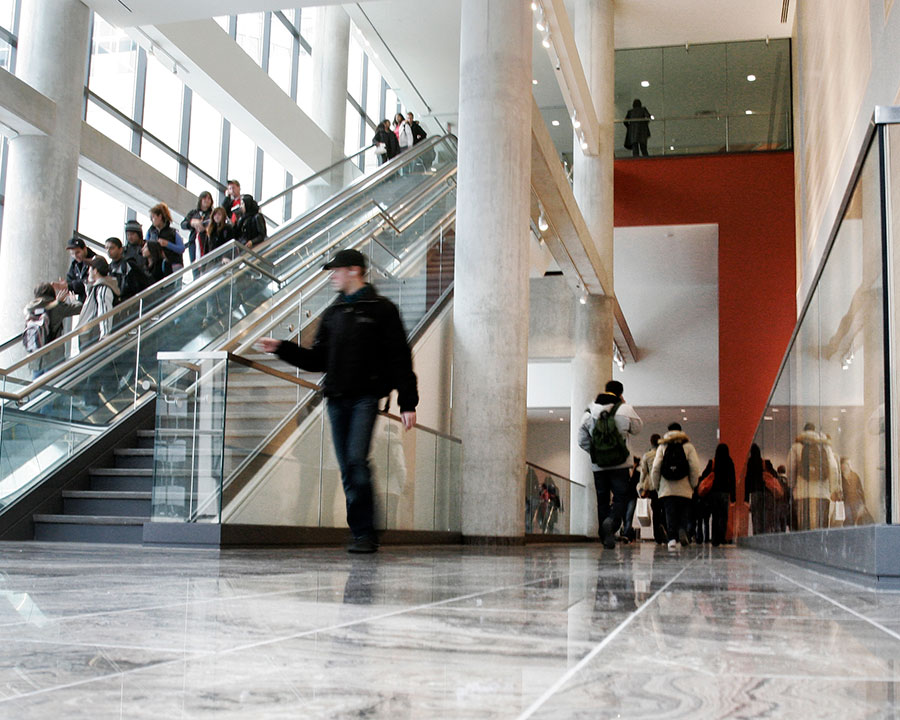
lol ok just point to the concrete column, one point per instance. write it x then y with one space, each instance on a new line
42 173
490 304
330 57
593 188
591 370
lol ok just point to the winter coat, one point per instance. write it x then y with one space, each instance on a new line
101 297
418 133
130 277
826 473
627 421
133 252
389 140
251 228
361 346
193 238
405 136
646 466
77 275
639 131
217 237
173 251
855 499
682 487
724 480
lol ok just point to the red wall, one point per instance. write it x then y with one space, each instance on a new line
751 198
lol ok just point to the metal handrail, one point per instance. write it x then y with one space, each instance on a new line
318 388
324 209
554 474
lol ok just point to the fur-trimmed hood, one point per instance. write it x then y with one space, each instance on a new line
811 437
676 436
109 281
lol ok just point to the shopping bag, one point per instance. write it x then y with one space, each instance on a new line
643 511
837 512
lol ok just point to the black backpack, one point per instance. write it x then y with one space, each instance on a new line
674 463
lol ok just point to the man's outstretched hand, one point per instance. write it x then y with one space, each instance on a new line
269 345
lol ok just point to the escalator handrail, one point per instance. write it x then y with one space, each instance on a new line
175 299
314 215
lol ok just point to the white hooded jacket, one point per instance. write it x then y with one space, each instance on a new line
627 421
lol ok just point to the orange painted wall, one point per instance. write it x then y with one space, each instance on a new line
751 198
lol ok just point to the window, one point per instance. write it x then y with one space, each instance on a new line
99 215
354 70
250 35
205 135
109 125
242 161
113 63
281 50
162 103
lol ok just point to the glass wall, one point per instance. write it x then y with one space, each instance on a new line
823 430
727 97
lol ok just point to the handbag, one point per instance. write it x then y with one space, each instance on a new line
706 485
773 485
380 149
837 511
643 511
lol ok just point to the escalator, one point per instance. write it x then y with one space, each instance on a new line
401 216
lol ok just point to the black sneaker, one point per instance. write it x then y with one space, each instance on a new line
683 538
363 545
607 534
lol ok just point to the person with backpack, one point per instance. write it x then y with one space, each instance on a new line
44 318
815 478
602 435
675 474
656 508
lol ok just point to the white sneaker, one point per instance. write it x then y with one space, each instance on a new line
673 544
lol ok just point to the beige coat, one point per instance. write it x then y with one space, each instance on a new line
825 483
683 487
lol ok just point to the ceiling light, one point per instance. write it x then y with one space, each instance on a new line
542 223
584 145
534 82
562 419
683 411
583 299
671 147
554 123
751 78
748 112
540 26
653 117
546 43
766 417
645 83
550 411
534 6
576 123
775 410
843 410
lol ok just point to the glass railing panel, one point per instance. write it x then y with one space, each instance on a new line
823 432
188 449
892 161
547 499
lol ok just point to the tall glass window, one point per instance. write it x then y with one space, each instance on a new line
113 66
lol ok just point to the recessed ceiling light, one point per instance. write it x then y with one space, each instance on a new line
550 411
554 123
653 117
540 26
576 124
671 147
645 83
683 411
748 112
534 82
584 145
562 419
751 78
546 43
534 6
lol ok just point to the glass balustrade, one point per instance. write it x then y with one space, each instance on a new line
238 445
227 295
547 501
823 437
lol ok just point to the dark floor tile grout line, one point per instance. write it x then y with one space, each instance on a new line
575 669
839 604
272 641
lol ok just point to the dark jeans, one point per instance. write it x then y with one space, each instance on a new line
618 482
628 530
352 420
678 513
639 147
659 518
718 504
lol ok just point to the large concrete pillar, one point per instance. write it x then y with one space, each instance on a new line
490 303
593 188
42 173
330 58
591 370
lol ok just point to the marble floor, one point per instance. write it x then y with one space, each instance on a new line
103 631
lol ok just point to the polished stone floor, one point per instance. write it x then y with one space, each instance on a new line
90 631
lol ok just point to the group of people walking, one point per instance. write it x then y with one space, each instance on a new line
392 139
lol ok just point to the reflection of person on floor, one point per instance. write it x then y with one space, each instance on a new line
815 478
854 496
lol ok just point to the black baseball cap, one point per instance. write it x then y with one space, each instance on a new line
346 258
75 242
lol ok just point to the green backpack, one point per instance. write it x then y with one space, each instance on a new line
608 446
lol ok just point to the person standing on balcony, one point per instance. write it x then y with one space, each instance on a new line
362 348
637 128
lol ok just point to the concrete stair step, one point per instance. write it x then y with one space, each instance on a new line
108 503
90 528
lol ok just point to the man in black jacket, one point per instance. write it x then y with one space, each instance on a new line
125 269
77 275
361 345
